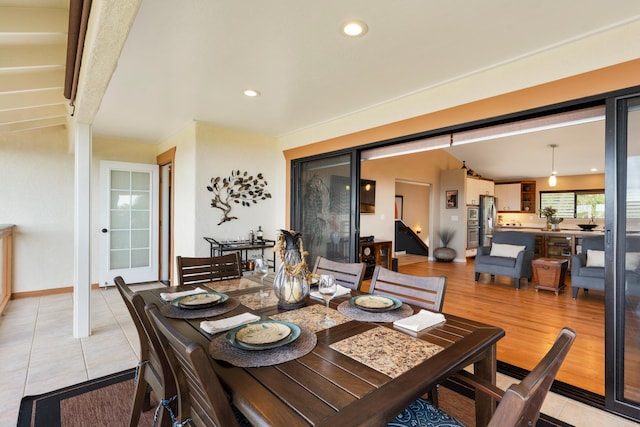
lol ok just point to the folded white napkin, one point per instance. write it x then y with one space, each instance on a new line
421 320
215 326
340 290
170 296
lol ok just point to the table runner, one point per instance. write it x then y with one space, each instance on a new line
367 316
233 285
309 317
170 310
386 350
221 349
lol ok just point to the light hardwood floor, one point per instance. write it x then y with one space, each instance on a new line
531 319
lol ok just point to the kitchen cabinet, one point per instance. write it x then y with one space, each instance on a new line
476 187
528 196
509 197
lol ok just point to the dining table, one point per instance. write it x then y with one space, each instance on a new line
361 372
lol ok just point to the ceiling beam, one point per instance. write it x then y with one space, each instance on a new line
16 58
29 114
34 98
33 20
32 80
31 125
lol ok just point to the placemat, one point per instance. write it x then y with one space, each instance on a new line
309 317
367 316
386 350
221 349
170 310
233 285
254 302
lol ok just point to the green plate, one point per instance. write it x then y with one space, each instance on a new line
250 336
200 301
375 303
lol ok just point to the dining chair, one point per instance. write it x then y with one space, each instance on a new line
203 401
194 271
519 405
349 275
423 291
153 372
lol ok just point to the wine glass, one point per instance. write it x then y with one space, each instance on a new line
327 288
261 268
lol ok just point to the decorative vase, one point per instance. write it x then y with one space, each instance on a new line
444 254
291 285
555 227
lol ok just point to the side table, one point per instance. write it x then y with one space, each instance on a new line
549 273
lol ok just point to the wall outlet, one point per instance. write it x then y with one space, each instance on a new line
454 217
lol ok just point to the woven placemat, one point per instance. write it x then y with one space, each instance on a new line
310 317
221 349
170 310
367 316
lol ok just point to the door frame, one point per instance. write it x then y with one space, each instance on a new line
166 159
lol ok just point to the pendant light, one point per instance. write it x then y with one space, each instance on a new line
552 178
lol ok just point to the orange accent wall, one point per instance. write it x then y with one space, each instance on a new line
615 77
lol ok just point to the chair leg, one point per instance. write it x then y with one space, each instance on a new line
433 395
141 399
477 276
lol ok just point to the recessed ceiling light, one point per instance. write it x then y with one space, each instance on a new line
251 93
354 28
594 169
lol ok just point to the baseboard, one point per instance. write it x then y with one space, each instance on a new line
45 292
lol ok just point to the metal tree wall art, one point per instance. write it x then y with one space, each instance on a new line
239 188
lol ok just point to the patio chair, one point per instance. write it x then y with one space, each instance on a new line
154 372
519 405
195 271
349 275
203 401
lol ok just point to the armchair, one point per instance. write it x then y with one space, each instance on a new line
588 275
508 261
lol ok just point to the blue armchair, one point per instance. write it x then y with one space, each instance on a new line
508 261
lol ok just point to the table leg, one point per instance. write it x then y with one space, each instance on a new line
485 369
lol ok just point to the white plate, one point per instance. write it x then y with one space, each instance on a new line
262 333
373 302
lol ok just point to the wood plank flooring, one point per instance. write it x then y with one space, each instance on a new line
531 319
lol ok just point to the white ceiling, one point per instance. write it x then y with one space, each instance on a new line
191 60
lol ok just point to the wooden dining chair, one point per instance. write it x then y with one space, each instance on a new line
203 401
154 372
519 405
349 275
195 271
423 291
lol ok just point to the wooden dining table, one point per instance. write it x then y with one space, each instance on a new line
327 387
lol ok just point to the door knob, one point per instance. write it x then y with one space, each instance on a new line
104 230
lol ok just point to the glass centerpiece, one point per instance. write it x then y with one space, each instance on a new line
291 284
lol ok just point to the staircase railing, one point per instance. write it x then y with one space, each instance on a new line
408 241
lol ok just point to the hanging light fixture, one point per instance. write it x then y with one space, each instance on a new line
552 178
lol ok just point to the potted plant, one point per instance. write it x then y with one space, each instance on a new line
553 222
445 253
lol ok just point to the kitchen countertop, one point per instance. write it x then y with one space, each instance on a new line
538 230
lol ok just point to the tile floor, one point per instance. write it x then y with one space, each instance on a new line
39 354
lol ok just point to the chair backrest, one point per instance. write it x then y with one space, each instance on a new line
157 370
515 238
595 243
193 271
202 397
423 291
521 403
349 275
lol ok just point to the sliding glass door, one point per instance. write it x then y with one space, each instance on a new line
623 256
323 205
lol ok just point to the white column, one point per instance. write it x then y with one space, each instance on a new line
81 246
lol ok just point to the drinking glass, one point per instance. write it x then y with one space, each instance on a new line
261 268
327 288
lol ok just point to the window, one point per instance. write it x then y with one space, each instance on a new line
585 204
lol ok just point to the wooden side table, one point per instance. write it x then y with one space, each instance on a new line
548 273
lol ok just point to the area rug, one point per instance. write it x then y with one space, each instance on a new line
107 401
104 401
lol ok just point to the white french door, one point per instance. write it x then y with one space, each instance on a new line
128 222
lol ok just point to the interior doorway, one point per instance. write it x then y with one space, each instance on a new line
165 253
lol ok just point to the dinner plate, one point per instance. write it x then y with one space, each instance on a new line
263 335
200 301
375 303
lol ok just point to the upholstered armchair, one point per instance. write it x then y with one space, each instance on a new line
587 267
510 254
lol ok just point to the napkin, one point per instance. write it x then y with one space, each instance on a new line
422 320
340 290
215 326
170 296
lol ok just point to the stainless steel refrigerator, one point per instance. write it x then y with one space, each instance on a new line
488 216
